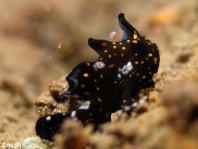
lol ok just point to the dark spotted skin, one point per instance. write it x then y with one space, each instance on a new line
122 69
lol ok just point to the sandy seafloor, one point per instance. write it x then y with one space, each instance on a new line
40 43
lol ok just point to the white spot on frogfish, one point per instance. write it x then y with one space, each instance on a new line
48 118
73 114
85 105
119 76
126 68
98 65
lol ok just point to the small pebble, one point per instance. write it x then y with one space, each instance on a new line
33 143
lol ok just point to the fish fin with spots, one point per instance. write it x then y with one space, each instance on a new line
81 80
129 31
48 126
94 113
98 45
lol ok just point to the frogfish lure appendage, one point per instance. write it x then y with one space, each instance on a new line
108 84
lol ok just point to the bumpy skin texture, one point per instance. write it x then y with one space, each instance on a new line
121 71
